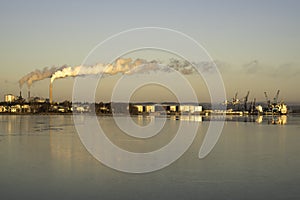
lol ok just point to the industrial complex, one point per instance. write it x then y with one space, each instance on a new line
235 106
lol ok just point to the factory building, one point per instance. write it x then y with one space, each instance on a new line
8 98
150 108
140 108
173 108
15 108
190 109
168 108
3 109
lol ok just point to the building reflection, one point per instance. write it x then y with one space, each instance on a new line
15 124
194 118
279 119
259 119
275 119
66 150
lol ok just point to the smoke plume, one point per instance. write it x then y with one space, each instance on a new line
38 75
121 65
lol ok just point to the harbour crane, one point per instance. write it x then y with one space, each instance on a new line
276 97
235 99
246 100
267 99
252 105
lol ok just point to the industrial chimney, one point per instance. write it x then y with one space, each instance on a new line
28 95
50 93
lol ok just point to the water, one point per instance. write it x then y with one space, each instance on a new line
41 157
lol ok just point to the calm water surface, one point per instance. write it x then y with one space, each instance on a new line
41 157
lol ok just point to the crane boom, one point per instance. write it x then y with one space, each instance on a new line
267 99
235 99
253 106
246 100
276 97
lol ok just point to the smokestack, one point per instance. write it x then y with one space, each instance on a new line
20 94
50 92
28 95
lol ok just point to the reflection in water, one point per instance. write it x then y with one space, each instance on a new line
36 124
275 119
279 119
64 147
57 127
15 124
32 124
194 118
41 156
143 120
259 119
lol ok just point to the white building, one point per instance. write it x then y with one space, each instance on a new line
150 108
173 108
139 108
3 109
190 109
198 108
15 108
184 108
26 108
9 98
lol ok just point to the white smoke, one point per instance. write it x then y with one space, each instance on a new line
121 65
38 75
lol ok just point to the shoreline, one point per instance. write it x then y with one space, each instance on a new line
121 114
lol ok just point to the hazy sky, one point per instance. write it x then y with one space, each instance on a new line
255 43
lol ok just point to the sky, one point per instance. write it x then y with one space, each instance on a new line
255 44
